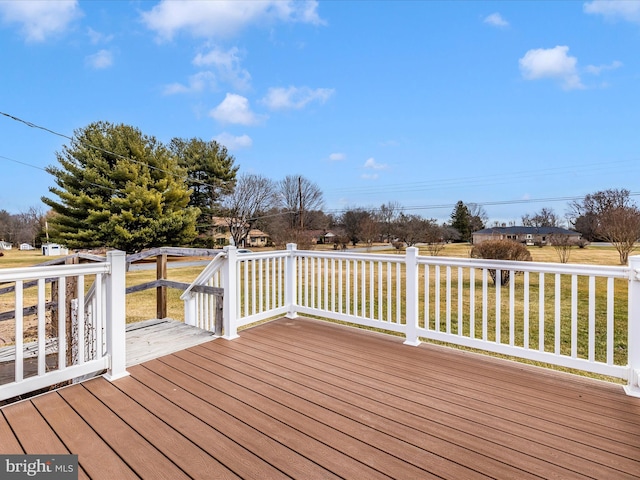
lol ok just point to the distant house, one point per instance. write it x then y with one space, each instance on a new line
5 245
256 238
53 249
222 235
27 246
526 235
321 237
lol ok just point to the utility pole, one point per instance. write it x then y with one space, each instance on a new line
301 203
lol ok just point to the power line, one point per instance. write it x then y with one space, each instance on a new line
481 180
405 187
23 163
103 150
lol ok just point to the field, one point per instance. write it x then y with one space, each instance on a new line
142 305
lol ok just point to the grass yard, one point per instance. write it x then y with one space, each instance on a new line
142 305
482 319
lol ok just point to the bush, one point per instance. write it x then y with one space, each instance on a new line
501 250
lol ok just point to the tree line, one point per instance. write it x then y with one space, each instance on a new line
116 187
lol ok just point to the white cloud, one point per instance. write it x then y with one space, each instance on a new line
551 63
615 9
97 37
210 19
233 142
370 176
227 65
235 109
100 60
372 164
40 18
496 20
295 97
337 157
598 69
197 83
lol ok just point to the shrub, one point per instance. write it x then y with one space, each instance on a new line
501 250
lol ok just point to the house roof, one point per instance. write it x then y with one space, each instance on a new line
525 230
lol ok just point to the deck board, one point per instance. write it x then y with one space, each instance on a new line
310 399
81 439
443 408
141 456
154 338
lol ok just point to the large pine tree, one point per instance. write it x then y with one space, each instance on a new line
211 174
118 188
461 221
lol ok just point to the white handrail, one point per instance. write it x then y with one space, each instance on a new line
203 278
111 274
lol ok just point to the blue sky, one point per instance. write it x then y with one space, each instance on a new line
512 105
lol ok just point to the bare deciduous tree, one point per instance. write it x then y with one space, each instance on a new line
387 216
562 245
23 227
614 217
544 218
479 216
411 229
369 230
351 221
300 197
435 237
252 195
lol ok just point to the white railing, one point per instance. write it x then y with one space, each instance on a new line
200 307
254 290
576 316
96 341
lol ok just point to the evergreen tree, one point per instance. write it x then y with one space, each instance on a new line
461 221
121 189
210 175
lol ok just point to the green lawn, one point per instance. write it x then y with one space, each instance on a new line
142 305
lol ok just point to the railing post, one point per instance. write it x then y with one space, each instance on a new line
411 267
290 282
230 301
190 316
161 292
633 338
116 316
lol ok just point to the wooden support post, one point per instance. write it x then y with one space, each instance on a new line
219 316
161 292
71 293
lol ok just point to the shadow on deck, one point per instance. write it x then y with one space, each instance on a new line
309 399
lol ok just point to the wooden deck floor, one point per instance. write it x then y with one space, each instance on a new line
155 338
307 399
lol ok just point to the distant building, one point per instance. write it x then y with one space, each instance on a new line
526 235
222 235
257 238
322 237
27 246
5 245
53 249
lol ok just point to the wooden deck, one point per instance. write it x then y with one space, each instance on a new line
307 399
155 338
145 341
